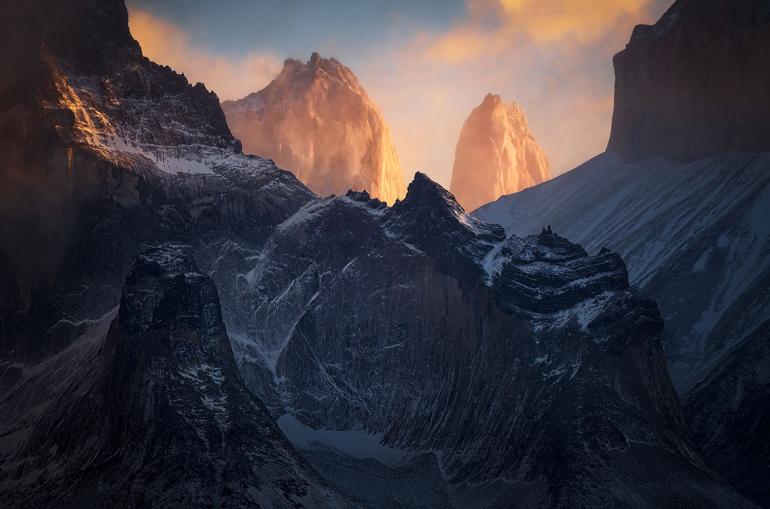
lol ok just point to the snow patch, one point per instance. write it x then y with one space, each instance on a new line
702 262
356 443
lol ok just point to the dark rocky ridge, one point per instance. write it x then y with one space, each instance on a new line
695 83
692 229
89 185
102 153
443 350
694 237
160 416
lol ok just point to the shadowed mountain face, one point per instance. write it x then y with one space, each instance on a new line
101 151
694 234
496 155
153 410
112 394
316 119
520 371
695 83
730 413
696 238
531 369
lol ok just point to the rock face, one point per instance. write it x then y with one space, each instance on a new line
695 83
159 390
671 224
694 234
730 413
524 371
496 155
519 362
112 396
317 120
695 237
102 150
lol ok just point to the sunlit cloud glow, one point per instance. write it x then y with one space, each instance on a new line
230 77
552 57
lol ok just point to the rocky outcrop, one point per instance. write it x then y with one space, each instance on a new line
691 238
519 362
316 120
100 151
496 155
113 396
695 83
695 237
690 224
154 411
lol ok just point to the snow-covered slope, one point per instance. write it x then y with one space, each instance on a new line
518 362
496 154
316 119
696 237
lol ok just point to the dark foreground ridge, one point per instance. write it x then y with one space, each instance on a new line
519 362
161 417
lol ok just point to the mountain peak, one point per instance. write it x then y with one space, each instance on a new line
423 191
90 34
496 154
491 100
431 218
316 120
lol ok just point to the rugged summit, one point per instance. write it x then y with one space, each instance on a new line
496 154
517 372
518 362
126 396
316 119
694 234
695 237
101 150
695 83
154 411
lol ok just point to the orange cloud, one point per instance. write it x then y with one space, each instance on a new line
230 78
493 26
553 57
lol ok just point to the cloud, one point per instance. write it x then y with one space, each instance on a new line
495 26
229 77
552 57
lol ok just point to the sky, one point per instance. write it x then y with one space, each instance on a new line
426 63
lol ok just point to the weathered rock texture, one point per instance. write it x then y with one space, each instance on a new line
496 155
103 152
152 411
532 370
696 237
316 120
729 413
695 83
694 234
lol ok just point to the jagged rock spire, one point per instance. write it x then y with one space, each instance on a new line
317 121
496 154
